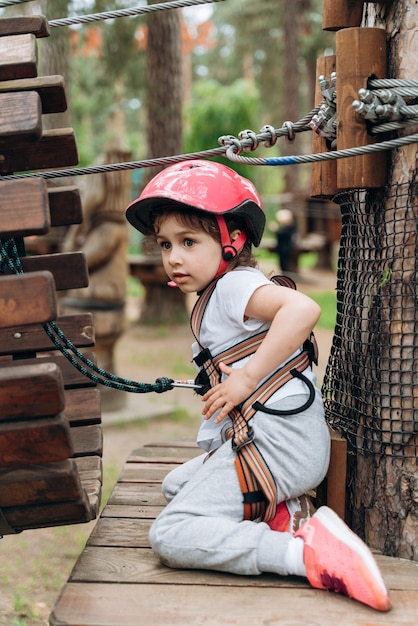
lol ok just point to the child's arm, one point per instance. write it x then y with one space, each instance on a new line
293 316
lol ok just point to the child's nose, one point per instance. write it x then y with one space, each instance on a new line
174 257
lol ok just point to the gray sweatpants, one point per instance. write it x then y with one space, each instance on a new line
202 526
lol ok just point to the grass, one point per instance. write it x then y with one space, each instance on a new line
327 300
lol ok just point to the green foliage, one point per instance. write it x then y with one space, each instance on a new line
327 300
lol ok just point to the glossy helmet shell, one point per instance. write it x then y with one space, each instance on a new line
204 186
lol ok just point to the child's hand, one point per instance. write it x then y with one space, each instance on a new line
228 394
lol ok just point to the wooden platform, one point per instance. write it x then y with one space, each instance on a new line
118 581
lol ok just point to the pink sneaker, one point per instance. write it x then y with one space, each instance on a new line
336 559
292 514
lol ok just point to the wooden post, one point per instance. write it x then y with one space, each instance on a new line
323 173
361 54
338 14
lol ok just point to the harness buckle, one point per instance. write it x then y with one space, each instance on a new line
243 440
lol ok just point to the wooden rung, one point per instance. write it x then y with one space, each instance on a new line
87 440
68 268
26 299
40 484
34 442
33 338
24 208
51 90
65 206
31 391
360 53
55 148
36 24
338 14
337 474
46 515
323 173
71 376
20 116
82 406
89 467
18 56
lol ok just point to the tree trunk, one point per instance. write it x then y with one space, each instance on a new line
383 485
164 136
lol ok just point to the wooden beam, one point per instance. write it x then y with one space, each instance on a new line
18 57
68 268
65 206
51 90
36 25
28 391
33 338
56 148
20 116
24 208
27 299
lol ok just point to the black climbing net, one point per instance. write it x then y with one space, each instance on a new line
370 386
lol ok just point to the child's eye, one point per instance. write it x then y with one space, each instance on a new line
188 243
165 245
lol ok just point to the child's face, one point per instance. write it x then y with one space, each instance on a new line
190 257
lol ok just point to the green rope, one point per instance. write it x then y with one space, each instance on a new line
10 258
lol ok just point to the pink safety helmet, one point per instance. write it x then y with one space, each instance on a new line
204 186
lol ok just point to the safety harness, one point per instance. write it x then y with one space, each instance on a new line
256 481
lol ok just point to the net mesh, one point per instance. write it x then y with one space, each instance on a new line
370 388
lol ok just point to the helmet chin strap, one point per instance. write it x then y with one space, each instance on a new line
230 249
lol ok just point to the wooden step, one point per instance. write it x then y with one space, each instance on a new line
27 298
27 391
51 90
68 268
24 208
36 25
40 484
34 442
20 116
65 206
56 148
82 406
33 338
18 56
71 376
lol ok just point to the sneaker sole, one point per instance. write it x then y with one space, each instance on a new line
373 585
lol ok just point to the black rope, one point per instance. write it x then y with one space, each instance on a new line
10 258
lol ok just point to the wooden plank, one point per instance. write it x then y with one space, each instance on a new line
68 268
34 442
90 468
101 604
71 376
82 406
56 148
134 494
51 90
33 338
139 566
87 440
65 206
27 299
146 472
24 208
31 391
164 455
20 116
120 533
46 515
337 474
39 484
35 24
18 56
132 511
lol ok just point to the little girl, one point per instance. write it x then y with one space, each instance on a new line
239 507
